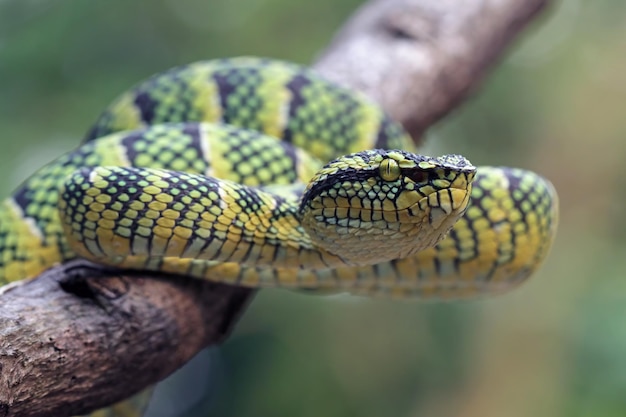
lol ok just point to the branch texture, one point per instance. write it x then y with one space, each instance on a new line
69 345
421 58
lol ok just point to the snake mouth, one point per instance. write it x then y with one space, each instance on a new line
440 209
392 233
449 200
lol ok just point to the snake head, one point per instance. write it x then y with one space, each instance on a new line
377 205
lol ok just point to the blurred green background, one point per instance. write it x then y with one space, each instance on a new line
556 105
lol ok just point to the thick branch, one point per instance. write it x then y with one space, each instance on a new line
420 58
68 346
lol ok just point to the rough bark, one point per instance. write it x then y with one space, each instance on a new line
80 337
421 58
71 345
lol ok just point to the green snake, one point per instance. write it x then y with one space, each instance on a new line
261 173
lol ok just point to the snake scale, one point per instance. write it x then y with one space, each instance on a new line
203 170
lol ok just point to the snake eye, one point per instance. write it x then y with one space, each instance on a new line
389 169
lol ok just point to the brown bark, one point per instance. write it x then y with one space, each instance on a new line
421 58
71 345
68 345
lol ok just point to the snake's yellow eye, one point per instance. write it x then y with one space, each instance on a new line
389 169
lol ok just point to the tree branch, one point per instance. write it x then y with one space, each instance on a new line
69 346
421 58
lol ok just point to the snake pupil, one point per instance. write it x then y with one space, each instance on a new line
389 169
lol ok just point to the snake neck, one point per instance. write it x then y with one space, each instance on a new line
173 214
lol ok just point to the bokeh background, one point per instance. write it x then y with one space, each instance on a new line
556 104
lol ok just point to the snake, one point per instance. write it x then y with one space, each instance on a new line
262 173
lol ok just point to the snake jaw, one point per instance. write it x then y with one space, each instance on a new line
451 206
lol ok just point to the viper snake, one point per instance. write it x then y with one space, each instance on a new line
261 173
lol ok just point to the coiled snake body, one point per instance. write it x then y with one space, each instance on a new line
184 174
132 214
